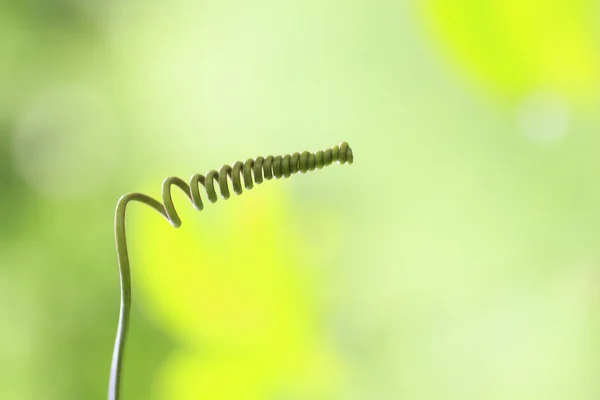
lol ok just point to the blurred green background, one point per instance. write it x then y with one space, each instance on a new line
457 258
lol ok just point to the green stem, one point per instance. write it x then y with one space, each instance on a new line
124 270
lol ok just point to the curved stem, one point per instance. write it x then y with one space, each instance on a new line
124 271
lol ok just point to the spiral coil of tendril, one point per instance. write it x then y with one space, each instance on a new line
250 172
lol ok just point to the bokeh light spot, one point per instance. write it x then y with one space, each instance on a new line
543 117
65 142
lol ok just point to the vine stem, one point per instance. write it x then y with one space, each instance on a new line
124 271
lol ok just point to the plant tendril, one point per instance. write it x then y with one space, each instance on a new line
250 172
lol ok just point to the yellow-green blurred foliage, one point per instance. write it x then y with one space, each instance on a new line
520 46
457 258
238 300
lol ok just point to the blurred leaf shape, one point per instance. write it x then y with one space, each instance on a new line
516 47
230 285
307 375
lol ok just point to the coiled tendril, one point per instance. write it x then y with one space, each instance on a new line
251 171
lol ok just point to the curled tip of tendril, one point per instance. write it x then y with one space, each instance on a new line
246 174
